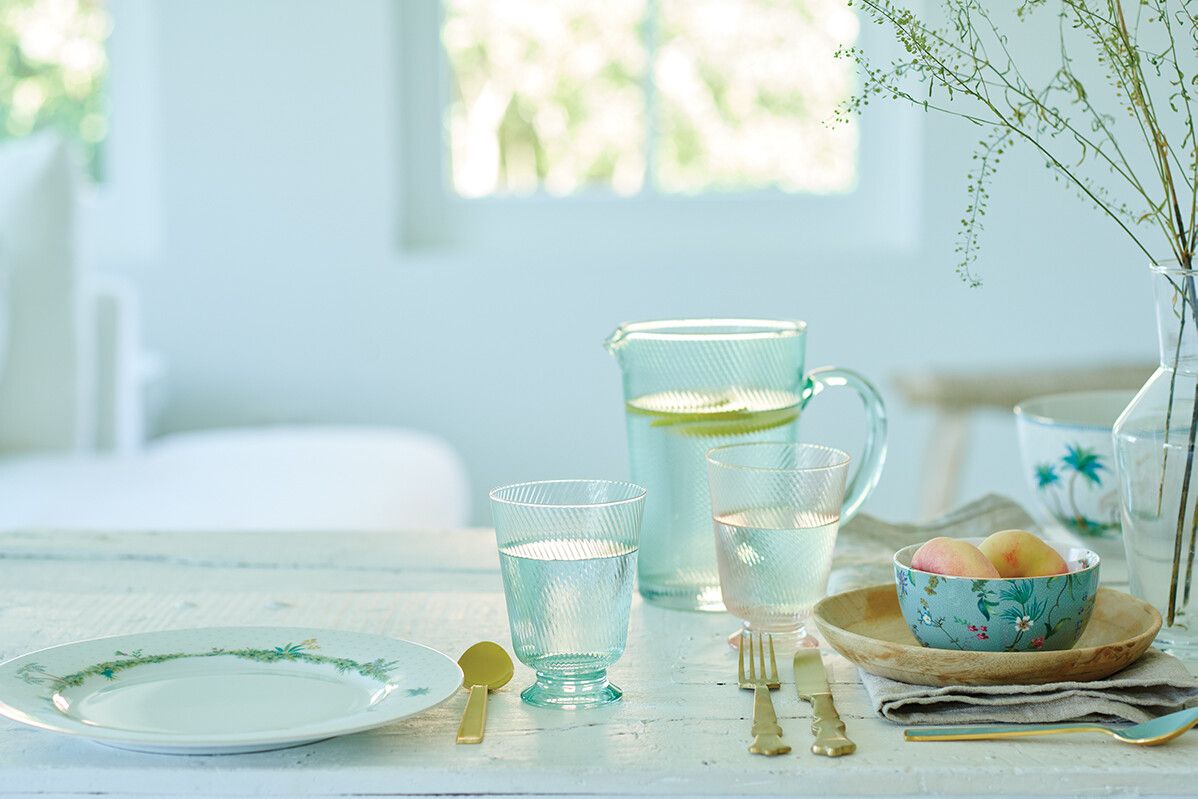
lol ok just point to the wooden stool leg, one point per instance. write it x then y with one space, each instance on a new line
943 460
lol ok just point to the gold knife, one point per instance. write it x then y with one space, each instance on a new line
812 682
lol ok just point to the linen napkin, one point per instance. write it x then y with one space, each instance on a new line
1154 685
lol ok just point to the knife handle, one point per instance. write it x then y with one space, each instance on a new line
828 729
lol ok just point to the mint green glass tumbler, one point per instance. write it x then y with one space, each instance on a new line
694 384
567 553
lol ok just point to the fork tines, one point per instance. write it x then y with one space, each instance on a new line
770 676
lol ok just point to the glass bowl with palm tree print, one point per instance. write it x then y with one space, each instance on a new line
1068 458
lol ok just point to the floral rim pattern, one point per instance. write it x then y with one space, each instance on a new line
379 669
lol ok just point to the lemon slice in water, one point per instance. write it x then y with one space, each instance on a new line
722 413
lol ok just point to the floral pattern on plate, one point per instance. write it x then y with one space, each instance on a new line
35 673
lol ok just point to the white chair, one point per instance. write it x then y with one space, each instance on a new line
265 478
73 387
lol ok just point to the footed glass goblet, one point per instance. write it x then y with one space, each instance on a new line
567 552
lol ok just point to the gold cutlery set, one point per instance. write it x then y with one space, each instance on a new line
812 684
486 667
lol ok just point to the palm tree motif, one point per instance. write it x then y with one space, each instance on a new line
1046 475
1084 463
1080 462
1047 480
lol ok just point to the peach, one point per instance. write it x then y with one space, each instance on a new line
954 558
1018 553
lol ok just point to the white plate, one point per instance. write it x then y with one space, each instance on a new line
221 690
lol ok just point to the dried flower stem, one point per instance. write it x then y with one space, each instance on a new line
968 60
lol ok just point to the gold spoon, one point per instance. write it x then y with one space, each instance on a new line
486 667
1151 733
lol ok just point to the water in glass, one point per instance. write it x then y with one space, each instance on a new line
774 563
776 509
568 601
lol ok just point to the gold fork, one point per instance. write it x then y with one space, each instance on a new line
767 735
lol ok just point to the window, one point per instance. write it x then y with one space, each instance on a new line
670 96
546 123
53 73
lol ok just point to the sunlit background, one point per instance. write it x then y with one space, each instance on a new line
53 71
640 95
554 95
250 177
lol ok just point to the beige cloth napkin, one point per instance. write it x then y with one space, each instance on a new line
1154 685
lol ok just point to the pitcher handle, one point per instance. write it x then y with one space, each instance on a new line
869 470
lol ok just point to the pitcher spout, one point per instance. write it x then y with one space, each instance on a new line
616 340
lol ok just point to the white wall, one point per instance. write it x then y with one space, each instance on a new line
281 294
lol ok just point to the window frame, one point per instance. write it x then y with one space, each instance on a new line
882 212
121 215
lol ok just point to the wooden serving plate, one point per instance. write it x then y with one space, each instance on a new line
867 627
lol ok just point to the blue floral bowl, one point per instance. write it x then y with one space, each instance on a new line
1029 614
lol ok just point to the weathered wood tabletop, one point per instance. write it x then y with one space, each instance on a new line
681 730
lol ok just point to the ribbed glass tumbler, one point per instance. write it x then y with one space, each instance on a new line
776 509
567 552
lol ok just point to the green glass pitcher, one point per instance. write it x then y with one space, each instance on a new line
694 384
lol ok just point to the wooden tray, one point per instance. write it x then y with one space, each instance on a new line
867 627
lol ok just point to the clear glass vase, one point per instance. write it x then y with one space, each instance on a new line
1154 440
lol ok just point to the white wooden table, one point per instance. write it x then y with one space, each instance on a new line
681 729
